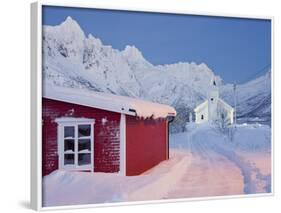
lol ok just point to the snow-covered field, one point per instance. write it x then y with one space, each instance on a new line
203 162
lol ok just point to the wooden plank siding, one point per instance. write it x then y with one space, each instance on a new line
146 144
106 135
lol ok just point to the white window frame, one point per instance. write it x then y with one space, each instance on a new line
75 122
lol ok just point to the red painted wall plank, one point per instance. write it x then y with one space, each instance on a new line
146 144
106 135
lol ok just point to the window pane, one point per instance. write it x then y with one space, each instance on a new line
84 159
84 144
68 159
69 145
84 130
69 131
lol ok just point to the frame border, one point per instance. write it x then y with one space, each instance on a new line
36 102
36 106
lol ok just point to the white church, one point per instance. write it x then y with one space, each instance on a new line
214 108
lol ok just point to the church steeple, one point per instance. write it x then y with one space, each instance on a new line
213 97
213 82
213 86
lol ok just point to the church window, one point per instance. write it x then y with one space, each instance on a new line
202 117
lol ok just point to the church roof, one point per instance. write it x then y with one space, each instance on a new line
200 106
227 106
205 104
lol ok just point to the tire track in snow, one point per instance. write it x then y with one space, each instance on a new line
198 144
248 170
210 155
206 175
245 167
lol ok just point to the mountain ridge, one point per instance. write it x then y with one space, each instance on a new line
72 59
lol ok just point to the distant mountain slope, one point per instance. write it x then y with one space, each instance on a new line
253 99
72 59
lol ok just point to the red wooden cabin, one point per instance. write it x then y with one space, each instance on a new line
98 132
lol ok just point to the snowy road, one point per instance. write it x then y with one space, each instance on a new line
223 167
209 176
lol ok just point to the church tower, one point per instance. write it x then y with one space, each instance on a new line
213 97
213 108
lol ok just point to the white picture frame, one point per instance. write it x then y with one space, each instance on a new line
36 104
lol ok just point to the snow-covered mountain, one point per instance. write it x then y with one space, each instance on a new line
253 99
72 59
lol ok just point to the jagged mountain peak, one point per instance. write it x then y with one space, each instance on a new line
72 26
131 49
94 40
69 19
68 31
132 53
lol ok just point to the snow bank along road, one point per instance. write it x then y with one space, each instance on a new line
203 162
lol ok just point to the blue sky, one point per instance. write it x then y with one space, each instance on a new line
236 49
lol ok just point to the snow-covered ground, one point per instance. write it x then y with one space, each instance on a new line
203 162
225 166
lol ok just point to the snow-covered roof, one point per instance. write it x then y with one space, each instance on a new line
110 102
200 106
205 104
227 106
